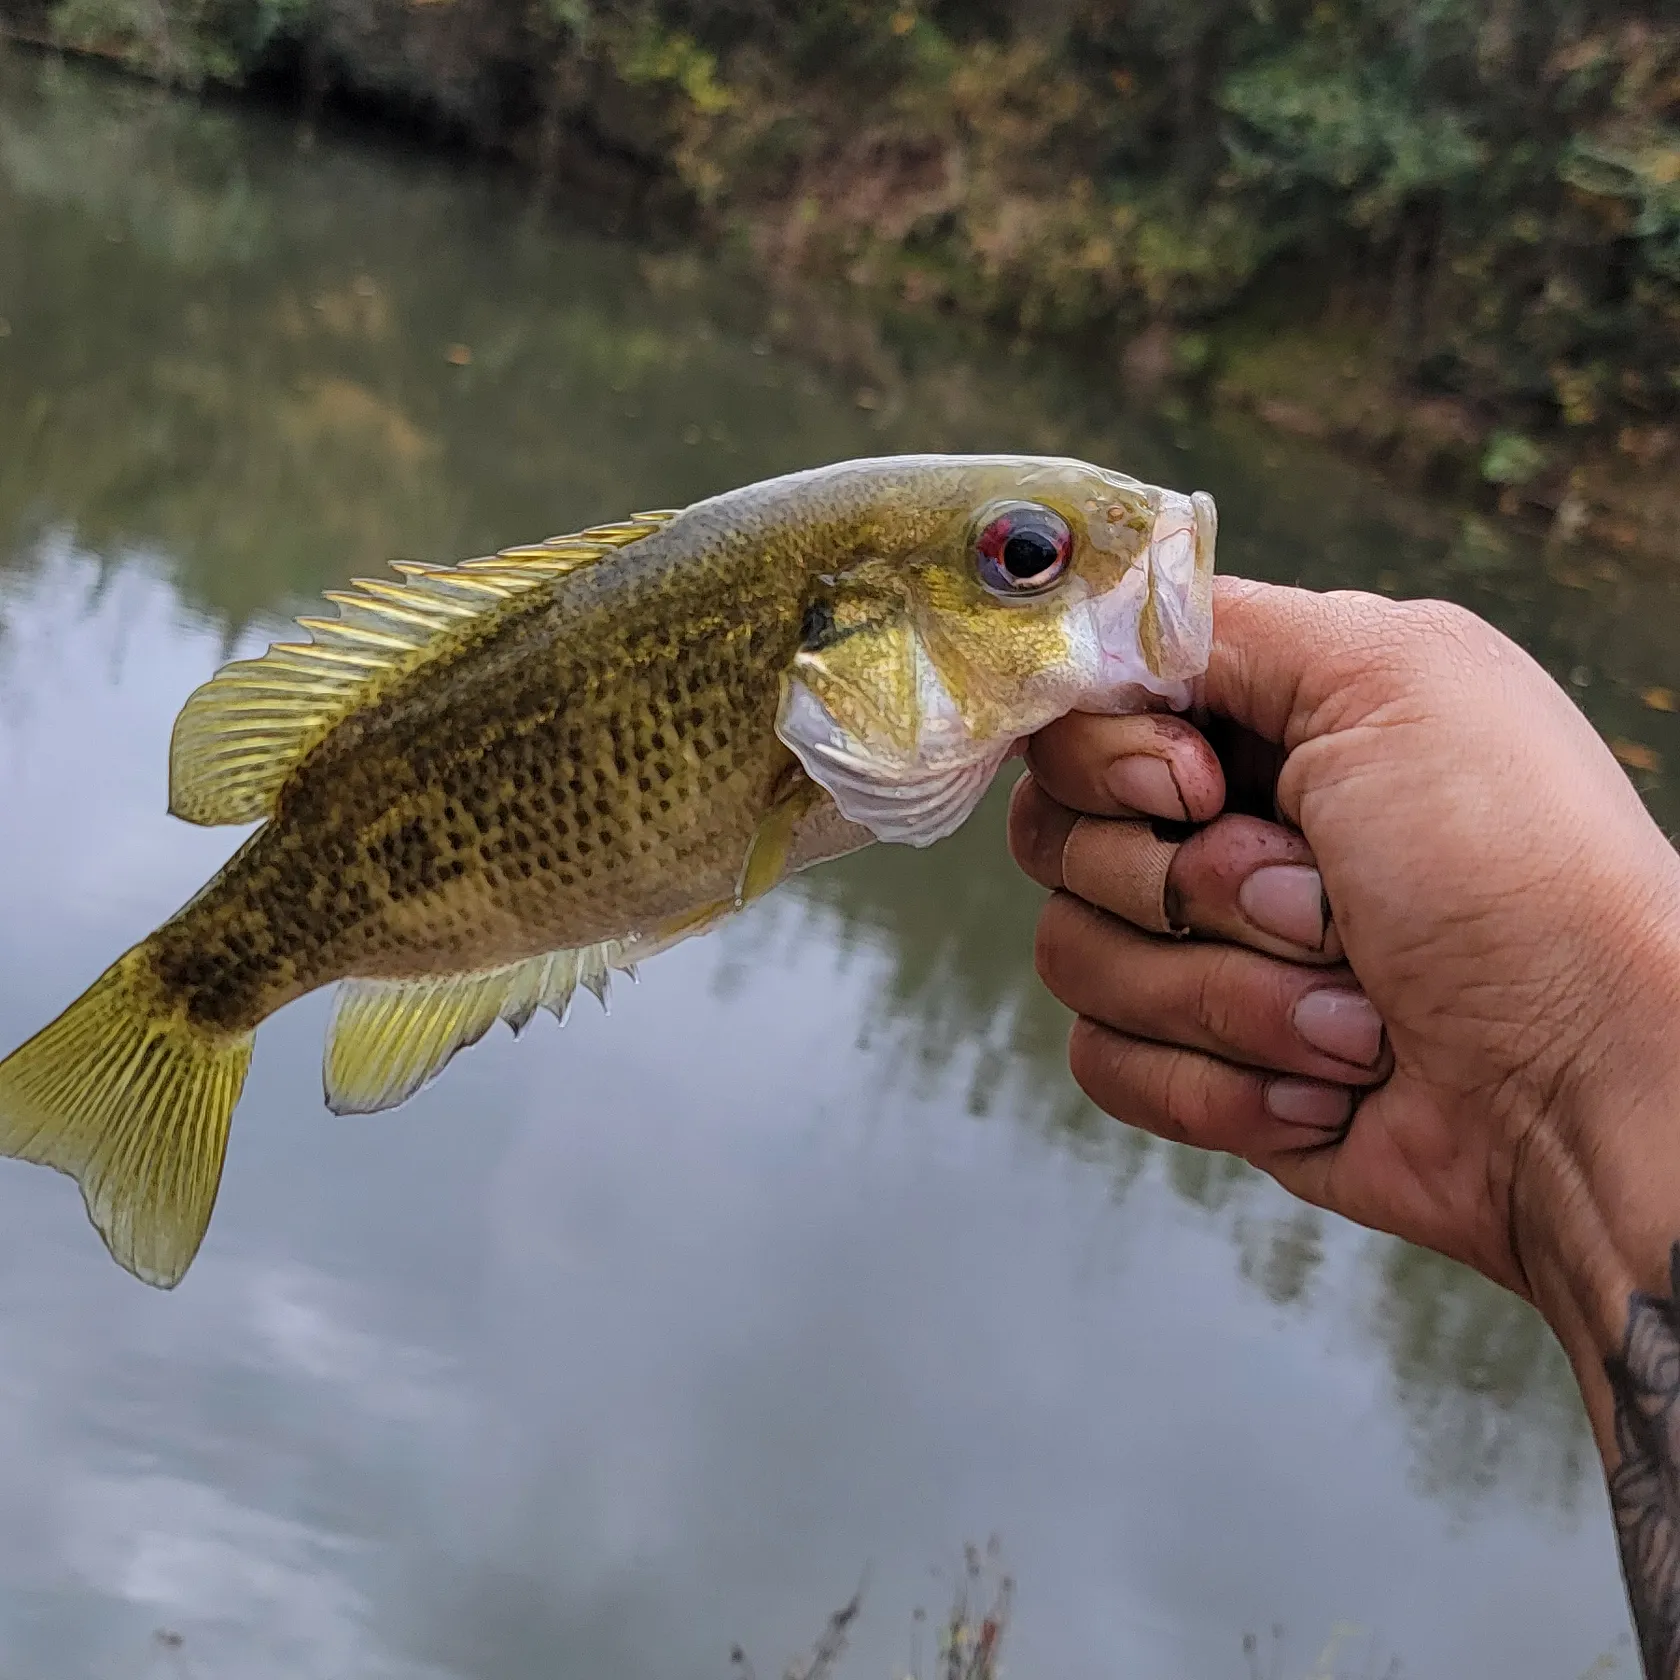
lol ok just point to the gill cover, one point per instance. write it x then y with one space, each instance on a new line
915 682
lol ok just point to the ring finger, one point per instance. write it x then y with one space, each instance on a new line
1215 997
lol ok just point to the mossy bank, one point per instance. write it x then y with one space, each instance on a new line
1445 236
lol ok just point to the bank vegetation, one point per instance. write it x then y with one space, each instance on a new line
1443 233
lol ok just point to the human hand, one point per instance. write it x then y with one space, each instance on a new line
1464 865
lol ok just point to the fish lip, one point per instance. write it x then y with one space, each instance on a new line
1178 619
1154 629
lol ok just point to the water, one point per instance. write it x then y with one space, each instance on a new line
642 1338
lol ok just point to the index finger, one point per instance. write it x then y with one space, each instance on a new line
1153 765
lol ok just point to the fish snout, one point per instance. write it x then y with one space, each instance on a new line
1154 631
1175 629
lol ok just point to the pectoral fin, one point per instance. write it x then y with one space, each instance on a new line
772 842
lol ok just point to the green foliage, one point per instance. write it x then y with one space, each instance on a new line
1353 130
1492 187
673 58
1512 458
1644 173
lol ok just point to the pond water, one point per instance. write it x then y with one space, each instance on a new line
653 1335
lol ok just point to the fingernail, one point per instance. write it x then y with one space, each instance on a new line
1342 1023
1286 900
1146 784
1301 1102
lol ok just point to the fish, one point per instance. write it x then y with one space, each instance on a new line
481 787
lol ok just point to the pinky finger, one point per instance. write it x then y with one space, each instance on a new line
1187 1097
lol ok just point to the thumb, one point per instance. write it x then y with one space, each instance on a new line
1277 652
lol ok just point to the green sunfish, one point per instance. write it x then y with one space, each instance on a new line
480 787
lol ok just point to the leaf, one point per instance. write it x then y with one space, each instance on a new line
1637 756
1512 459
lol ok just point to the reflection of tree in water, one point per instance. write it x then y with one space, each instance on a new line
243 359
1484 1384
958 994
239 359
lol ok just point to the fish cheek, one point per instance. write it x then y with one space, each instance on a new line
859 656
867 682
988 651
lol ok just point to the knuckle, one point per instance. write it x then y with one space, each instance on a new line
1433 632
1182 1098
1097 1061
1050 941
1401 651
1444 633
1217 1006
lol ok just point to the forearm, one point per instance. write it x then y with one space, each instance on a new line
1597 1227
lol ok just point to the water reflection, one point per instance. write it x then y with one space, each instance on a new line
620 1346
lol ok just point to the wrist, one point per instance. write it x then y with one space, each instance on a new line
1595 1192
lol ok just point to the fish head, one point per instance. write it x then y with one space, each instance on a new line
1014 592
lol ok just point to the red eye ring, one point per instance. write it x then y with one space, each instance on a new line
1023 548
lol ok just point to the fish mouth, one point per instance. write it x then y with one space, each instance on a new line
1164 641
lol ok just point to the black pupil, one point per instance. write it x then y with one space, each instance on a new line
1027 553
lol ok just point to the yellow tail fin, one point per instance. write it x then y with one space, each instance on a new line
132 1101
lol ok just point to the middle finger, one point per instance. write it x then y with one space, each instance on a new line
1239 878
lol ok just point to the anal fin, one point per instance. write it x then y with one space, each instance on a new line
387 1038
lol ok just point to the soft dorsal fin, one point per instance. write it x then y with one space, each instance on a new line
241 734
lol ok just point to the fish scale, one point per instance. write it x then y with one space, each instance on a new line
462 825
481 787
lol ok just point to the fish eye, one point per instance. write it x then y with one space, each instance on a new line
1022 548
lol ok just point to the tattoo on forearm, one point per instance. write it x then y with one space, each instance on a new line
1645 1485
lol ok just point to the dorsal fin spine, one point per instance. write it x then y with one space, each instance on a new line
240 735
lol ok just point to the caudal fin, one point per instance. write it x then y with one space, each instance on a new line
132 1101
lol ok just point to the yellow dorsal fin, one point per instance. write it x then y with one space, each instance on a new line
241 734
388 1037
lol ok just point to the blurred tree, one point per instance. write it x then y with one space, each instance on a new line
1489 188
